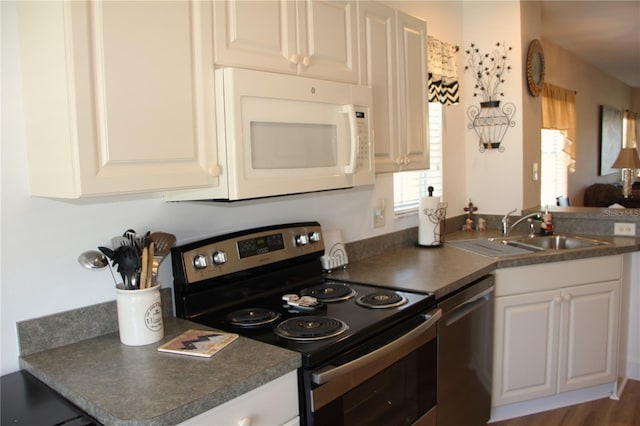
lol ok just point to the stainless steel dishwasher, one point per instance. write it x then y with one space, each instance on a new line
465 352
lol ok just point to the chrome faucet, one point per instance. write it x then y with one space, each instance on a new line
506 228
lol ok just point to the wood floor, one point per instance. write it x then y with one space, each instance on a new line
603 412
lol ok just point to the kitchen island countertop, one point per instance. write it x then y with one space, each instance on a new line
137 385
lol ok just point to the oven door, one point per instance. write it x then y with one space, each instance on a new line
393 384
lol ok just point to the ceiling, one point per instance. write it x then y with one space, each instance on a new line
604 33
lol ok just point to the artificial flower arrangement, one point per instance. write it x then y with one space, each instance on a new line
488 70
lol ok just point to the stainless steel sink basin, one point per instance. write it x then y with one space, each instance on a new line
550 242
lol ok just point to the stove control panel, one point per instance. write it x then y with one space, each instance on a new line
219 256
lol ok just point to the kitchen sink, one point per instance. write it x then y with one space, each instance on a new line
550 242
518 245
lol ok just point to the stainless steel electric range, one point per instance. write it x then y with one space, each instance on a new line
368 353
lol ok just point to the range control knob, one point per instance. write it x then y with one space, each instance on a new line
302 240
219 257
314 236
200 261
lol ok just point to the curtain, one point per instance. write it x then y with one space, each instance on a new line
559 112
442 78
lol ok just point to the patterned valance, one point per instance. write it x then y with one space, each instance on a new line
443 78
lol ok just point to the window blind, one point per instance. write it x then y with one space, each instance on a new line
409 186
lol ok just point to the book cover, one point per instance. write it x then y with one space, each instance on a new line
204 343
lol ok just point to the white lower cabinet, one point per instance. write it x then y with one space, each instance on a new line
274 403
556 328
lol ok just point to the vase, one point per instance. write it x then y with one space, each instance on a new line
139 315
490 122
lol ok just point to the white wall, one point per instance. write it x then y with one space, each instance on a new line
42 238
494 179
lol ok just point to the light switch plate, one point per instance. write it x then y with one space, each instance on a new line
624 229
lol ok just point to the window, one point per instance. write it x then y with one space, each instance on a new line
409 186
554 167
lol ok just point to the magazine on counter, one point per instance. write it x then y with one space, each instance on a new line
204 343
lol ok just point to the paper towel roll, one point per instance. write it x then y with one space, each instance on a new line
429 218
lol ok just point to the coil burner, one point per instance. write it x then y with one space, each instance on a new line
310 328
252 317
329 291
381 299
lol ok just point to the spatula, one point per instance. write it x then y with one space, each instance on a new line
163 241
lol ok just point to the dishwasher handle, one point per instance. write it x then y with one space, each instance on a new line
467 307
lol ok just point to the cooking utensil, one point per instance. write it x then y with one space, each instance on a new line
128 261
108 253
163 242
144 265
119 241
150 263
136 240
92 259
130 234
128 265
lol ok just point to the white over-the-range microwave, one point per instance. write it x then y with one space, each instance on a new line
279 134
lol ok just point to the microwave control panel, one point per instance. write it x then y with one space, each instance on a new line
364 150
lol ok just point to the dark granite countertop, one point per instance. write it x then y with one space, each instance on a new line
137 385
443 270
439 270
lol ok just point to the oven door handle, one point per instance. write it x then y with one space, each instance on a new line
325 375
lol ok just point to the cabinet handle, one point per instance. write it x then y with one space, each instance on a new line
245 421
557 299
350 110
294 59
306 61
407 161
566 297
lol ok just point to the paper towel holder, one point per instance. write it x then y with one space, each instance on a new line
431 221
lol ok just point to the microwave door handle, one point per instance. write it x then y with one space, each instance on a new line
350 110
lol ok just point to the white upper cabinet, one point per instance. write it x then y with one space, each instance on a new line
310 38
119 96
393 63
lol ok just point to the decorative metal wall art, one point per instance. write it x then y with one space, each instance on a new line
490 121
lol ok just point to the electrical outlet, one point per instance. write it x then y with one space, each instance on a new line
378 217
623 228
378 214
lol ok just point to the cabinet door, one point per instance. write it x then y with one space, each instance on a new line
256 34
412 87
328 40
311 38
526 347
128 89
380 71
274 403
589 336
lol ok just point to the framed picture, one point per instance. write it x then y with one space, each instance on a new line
610 138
